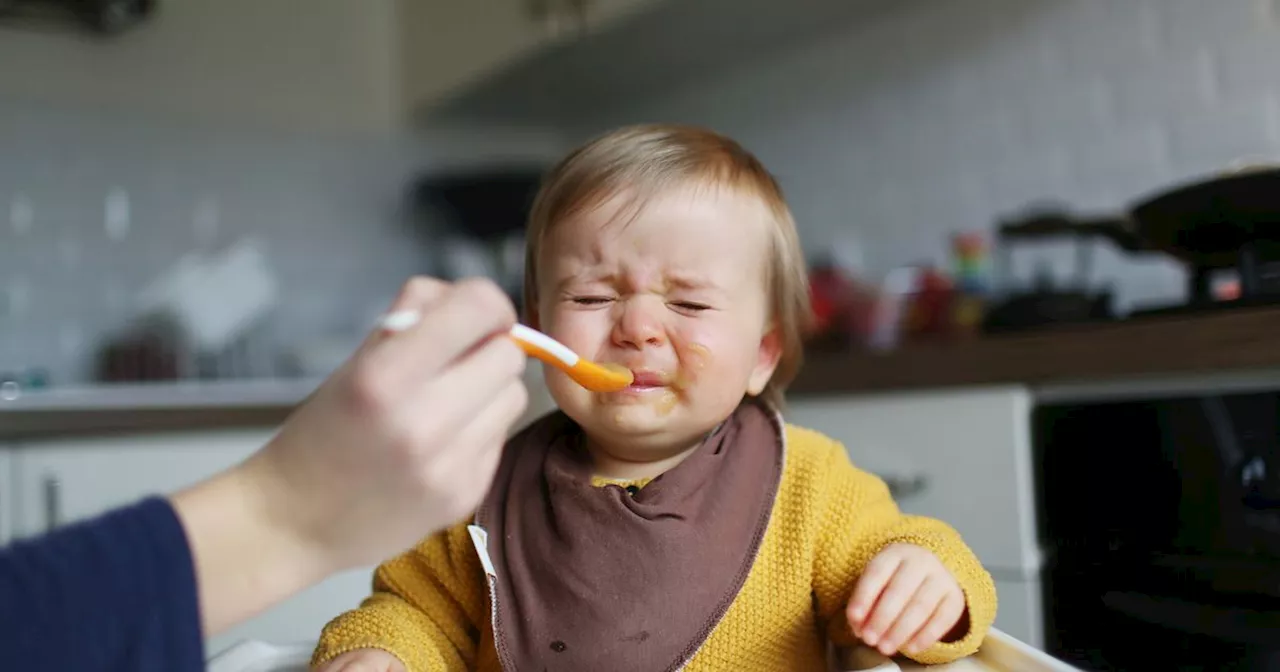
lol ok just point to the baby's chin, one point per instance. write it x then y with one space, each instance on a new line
643 427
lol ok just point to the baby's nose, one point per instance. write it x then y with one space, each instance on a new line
638 326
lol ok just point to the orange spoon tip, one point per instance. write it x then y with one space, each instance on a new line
601 377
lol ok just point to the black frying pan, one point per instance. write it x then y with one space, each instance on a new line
1207 224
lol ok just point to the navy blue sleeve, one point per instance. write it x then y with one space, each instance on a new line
110 594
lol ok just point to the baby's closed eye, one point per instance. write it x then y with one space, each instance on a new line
591 300
690 306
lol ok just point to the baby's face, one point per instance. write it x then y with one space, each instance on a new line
677 294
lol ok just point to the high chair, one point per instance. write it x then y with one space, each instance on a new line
999 653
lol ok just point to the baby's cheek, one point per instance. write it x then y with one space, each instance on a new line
694 359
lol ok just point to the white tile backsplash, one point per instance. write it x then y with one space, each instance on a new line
96 207
1092 103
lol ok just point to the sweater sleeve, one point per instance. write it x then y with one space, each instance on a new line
859 519
427 608
117 592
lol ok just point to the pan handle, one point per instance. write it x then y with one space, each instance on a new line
1045 225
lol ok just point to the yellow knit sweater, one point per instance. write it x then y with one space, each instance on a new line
430 605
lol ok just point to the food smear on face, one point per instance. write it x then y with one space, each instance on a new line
695 360
666 403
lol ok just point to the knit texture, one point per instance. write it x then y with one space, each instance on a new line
430 605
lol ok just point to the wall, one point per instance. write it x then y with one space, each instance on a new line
284 134
950 113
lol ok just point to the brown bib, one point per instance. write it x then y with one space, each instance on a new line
594 578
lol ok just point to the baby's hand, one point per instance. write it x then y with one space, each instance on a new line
364 660
906 600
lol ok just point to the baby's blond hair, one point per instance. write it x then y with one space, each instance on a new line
644 160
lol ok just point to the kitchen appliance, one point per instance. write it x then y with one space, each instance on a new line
1047 302
1161 528
1230 223
484 212
1226 225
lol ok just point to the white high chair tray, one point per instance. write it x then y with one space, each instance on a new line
255 656
999 653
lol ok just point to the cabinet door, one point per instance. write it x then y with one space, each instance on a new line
65 480
62 480
7 496
447 45
602 13
962 456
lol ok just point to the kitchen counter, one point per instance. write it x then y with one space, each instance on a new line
1232 350
106 409
1226 350
180 406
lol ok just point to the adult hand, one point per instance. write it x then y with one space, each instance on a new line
401 441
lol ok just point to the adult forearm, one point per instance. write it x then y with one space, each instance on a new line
246 557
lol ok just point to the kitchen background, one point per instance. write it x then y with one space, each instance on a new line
212 123
255 171
932 117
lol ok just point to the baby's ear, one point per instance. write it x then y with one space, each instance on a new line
766 361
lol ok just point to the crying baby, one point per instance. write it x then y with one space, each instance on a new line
678 523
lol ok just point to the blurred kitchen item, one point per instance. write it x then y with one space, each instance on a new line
202 318
829 290
148 350
969 253
843 308
928 310
466 257
215 300
886 321
1046 303
485 203
1228 223
485 212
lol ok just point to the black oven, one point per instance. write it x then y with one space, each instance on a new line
1160 520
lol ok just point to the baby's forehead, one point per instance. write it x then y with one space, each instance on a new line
687 207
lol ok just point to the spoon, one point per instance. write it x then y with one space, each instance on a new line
591 375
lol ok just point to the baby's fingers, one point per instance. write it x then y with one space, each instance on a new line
943 620
915 616
877 575
904 584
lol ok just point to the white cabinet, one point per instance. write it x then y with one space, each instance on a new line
62 480
961 456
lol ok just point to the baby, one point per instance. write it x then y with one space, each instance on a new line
679 524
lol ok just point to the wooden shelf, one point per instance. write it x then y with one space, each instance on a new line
1240 339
